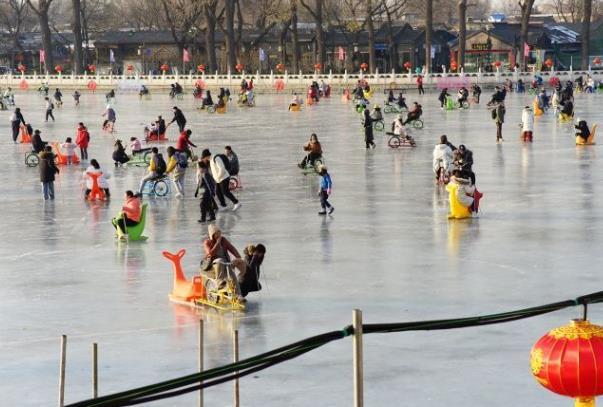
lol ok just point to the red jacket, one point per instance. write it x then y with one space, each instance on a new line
83 137
132 209
419 80
208 244
183 142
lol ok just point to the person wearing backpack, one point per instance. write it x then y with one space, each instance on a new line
219 166
176 165
157 168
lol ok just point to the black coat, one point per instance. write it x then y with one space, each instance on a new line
179 117
47 167
249 279
37 144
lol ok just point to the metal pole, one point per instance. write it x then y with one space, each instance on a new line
200 402
62 370
235 359
358 369
94 370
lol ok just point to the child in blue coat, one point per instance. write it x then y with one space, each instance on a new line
326 186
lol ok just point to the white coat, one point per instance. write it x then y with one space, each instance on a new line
442 157
399 129
102 180
527 120
218 169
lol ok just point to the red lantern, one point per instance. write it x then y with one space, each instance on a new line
453 66
407 65
201 68
497 64
164 68
317 66
548 62
92 68
280 67
58 68
21 68
364 66
569 361
239 67
130 67
597 61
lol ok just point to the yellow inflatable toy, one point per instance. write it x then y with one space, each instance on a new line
294 108
590 140
368 95
457 210
537 110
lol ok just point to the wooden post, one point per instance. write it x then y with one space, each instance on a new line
235 359
94 370
200 402
62 370
358 369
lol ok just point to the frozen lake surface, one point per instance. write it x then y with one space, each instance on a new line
388 250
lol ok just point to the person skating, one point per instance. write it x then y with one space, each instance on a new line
442 97
208 100
499 118
48 170
463 161
16 119
420 85
219 166
58 97
414 113
527 124
477 92
368 129
324 191
111 117
76 97
178 118
206 186
49 109
83 140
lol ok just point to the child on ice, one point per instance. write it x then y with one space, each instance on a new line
324 191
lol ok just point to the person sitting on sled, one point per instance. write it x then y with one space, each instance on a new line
582 130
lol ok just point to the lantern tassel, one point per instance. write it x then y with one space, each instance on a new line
585 402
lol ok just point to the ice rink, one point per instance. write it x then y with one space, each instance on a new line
388 249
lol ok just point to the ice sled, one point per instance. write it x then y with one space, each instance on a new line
590 140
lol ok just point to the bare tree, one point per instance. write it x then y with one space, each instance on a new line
78 58
392 12
526 11
41 10
295 36
14 17
585 52
182 16
462 11
210 16
428 31
317 13
229 7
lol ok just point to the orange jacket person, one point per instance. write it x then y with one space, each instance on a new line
131 212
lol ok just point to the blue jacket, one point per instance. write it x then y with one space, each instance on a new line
325 182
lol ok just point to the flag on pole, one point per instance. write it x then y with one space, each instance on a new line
341 54
526 49
185 55
42 56
111 57
262 55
